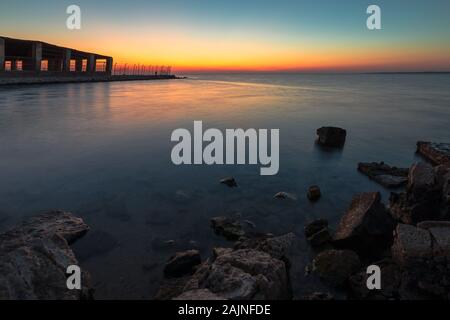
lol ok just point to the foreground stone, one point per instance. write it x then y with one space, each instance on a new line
336 266
437 153
242 273
182 263
227 227
387 176
424 198
331 137
367 222
35 255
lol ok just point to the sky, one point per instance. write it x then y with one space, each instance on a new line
245 35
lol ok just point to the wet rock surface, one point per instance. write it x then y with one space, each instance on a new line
314 193
366 222
252 270
35 255
182 263
331 137
229 228
229 182
437 153
424 198
336 266
387 176
317 233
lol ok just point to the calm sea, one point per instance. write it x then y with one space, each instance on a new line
102 151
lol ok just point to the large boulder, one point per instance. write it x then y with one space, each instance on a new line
437 153
182 263
412 245
34 258
336 266
423 199
387 176
366 222
248 274
331 137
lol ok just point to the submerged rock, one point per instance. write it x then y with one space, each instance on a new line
366 222
35 255
437 153
317 233
182 263
284 195
230 182
319 296
387 176
331 137
314 193
227 227
336 266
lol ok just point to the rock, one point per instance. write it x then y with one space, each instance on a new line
248 274
366 222
284 195
391 276
35 255
423 199
420 179
437 153
314 193
182 263
387 176
433 224
319 296
198 295
336 266
411 245
315 226
441 241
220 251
320 238
278 247
229 228
317 233
230 182
331 137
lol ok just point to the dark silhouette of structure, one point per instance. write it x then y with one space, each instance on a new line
31 57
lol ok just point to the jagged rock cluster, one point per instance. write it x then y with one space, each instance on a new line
35 255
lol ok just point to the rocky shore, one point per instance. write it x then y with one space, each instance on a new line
407 238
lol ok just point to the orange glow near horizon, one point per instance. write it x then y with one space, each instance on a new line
191 54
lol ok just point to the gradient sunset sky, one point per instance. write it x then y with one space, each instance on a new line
245 35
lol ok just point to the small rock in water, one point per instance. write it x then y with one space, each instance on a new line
284 195
182 263
331 137
229 228
230 182
314 193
